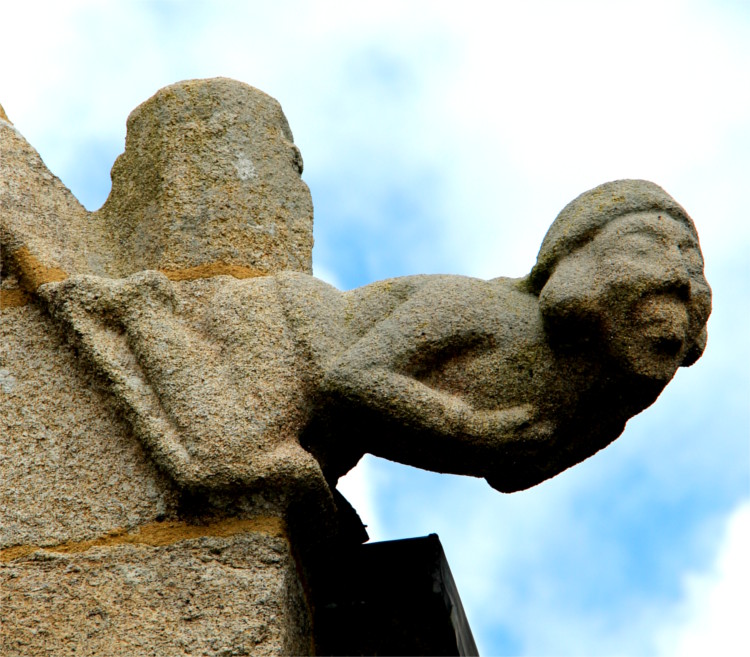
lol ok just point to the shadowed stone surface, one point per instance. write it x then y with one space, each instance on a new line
170 359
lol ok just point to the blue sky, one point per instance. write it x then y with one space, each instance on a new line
445 137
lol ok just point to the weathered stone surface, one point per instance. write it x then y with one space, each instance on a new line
76 484
512 380
170 359
210 174
75 480
158 595
208 371
45 231
71 469
517 379
209 184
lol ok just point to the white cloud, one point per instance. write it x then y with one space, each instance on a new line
712 619
325 274
360 487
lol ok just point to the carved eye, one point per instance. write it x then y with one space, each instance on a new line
639 244
692 256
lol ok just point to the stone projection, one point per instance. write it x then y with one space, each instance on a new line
180 395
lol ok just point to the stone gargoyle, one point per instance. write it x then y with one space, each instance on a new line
237 371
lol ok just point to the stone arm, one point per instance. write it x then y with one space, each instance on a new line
88 308
171 382
383 372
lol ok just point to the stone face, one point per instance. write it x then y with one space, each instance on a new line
168 361
516 380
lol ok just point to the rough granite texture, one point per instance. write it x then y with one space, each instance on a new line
210 174
74 476
513 380
169 359
209 182
212 596
70 467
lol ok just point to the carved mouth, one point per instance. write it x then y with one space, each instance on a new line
664 323
670 346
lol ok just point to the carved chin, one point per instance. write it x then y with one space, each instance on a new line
653 341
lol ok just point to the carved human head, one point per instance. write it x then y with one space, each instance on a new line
621 269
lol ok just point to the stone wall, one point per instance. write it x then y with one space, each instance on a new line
101 551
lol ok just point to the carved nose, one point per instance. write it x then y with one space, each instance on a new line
678 276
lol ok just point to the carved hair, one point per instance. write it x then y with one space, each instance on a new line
582 218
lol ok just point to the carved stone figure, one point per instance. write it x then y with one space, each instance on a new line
237 383
509 379
188 298
516 380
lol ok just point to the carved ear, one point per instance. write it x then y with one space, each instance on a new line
696 349
569 301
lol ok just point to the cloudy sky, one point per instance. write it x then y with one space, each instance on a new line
445 137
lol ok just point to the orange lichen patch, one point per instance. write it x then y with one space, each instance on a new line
14 298
34 273
156 534
4 116
212 269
